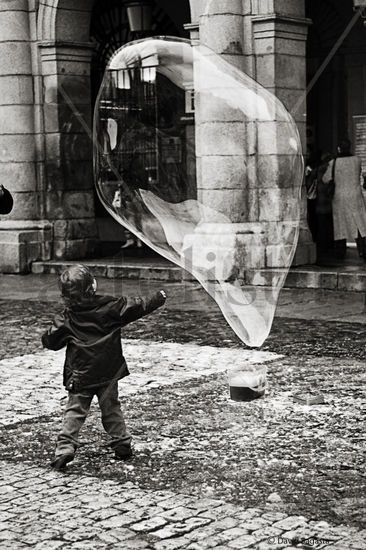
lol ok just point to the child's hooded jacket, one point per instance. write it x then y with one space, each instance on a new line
91 330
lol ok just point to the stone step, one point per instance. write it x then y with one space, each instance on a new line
131 268
340 278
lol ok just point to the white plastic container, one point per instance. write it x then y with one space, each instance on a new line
247 382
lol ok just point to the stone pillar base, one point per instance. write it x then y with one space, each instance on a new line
75 249
23 242
226 252
305 254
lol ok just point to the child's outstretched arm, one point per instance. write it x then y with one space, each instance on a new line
132 309
57 336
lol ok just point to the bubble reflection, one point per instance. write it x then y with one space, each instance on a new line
204 166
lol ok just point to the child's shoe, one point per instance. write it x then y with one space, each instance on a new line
124 453
60 462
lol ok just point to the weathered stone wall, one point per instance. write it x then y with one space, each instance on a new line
17 143
64 54
46 152
23 238
68 169
243 169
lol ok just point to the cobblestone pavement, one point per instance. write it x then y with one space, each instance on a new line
83 512
207 472
36 390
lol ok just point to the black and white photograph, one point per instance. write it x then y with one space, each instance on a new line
182 274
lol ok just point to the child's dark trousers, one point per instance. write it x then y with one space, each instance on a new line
77 410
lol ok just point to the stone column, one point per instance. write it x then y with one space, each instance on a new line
68 177
221 147
280 59
24 237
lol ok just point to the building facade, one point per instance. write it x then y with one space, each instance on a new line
52 55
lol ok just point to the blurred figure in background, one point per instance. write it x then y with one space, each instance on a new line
349 209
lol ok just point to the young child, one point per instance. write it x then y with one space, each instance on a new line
90 328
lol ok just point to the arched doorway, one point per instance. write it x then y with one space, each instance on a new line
67 58
110 29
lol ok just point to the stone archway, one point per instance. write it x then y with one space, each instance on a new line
65 62
60 20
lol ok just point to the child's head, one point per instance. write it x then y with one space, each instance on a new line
77 284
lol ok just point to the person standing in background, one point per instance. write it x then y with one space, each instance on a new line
349 209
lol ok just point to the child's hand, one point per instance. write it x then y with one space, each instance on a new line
163 293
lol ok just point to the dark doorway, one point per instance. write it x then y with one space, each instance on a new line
336 99
110 30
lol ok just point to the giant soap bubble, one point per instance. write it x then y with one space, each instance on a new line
203 165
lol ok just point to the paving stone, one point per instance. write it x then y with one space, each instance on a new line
5 507
330 533
340 545
150 511
143 502
173 544
357 543
205 544
174 502
216 539
65 516
274 516
88 545
117 521
179 514
266 532
180 528
254 524
204 504
126 506
115 535
300 534
8 490
4 516
137 544
98 504
248 513
225 510
150 524
271 544
226 523
231 534
82 533
162 495
103 514
244 541
16 545
203 532
34 537
7 535
49 545
74 523
289 523
131 510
